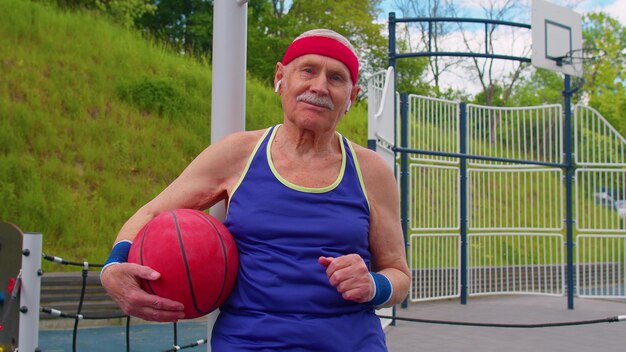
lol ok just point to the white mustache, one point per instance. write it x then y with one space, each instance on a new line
311 98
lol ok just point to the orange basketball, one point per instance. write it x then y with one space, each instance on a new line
196 256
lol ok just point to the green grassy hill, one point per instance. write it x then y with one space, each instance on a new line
96 120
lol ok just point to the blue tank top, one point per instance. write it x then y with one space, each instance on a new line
282 300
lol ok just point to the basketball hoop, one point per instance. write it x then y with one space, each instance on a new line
583 56
556 36
579 58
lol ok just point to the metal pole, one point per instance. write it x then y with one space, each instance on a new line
372 99
30 292
228 93
569 177
403 138
371 121
392 40
228 97
404 171
463 195
228 86
392 63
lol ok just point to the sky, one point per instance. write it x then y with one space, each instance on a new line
515 42
616 8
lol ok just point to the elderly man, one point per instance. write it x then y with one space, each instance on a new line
315 218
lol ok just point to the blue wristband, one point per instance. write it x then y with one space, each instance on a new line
119 254
382 289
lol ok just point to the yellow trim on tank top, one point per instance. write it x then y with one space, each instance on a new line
245 170
358 171
301 188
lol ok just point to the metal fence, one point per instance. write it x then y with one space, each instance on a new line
435 263
502 196
434 197
527 133
597 142
434 126
530 263
515 211
601 271
515 199
600 203
600 200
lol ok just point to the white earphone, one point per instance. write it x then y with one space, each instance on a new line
277 86
348 105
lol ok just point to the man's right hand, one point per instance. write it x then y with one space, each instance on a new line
121 281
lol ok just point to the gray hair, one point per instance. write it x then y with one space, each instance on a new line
323 32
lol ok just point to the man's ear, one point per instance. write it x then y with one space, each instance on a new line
353 94
278 76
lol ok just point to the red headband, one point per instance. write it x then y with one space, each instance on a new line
323 46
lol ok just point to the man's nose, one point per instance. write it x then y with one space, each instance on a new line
319 85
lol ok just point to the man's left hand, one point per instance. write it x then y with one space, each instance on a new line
350 276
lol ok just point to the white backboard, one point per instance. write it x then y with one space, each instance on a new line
556 32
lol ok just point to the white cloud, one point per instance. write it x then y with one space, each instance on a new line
617 9
506 42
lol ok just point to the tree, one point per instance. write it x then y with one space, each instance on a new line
496 83
542 87
269 33
124 12
496 86
605 76
355 19
186 24
272 27
430 36
410 72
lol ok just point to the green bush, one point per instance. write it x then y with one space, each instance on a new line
159 95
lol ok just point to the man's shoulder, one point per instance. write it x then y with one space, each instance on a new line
373 167
246 136
367 156
232 151
234 145
242 140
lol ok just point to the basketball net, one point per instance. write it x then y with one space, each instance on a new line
579 58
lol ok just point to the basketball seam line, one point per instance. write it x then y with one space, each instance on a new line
225 279
188 272
143 238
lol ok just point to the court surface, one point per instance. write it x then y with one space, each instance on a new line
410 336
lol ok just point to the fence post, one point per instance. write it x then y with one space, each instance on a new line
30 293
569 176
392 63
371 112
392 40
403 167
404 171
463 194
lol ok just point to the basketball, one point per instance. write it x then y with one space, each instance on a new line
196 256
